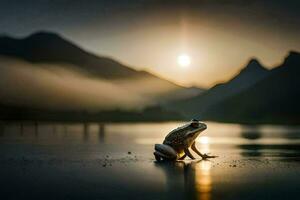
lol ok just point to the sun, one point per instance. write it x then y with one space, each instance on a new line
183 60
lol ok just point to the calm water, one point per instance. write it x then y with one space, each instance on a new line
115 161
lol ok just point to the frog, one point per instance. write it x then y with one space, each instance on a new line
177 143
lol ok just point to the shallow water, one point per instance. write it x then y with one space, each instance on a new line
115 161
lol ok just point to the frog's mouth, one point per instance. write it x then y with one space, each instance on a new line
203 126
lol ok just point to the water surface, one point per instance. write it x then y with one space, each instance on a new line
115 161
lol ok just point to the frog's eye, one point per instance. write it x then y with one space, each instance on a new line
195 124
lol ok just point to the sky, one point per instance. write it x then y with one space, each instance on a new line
219 36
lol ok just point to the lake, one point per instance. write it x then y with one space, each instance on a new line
115 161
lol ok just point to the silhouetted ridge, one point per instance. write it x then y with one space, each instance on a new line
255 95
45 35
293 59
251 69
274 99
247 77
45 47
254 64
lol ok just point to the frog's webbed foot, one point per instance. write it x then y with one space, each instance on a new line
188 153
203 156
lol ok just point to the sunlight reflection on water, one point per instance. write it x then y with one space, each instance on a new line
204 180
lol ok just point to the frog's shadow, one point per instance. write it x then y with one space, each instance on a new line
180 164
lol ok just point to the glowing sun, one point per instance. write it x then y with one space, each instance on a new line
183 60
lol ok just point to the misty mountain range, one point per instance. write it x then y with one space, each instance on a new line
46 71
255 95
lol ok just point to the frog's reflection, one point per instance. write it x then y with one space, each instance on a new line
88 130
101 133
86 134
251 133
189 179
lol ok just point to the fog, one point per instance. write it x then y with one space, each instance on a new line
59 86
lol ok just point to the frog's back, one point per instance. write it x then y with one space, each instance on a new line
176 137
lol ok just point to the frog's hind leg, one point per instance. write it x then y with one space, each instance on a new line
164 152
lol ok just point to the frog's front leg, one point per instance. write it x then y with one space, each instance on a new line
203 156
194 148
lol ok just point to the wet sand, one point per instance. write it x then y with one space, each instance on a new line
114 161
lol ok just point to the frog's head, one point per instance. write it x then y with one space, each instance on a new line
195 128
196 124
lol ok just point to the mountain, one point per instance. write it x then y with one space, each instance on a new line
197 105
46 47
274 99
47 70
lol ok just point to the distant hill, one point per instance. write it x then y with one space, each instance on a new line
275 99
47 47
197 105
47 70
150 114
255 95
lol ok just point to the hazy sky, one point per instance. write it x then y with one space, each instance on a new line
220 36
